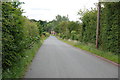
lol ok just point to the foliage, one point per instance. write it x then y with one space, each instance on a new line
18 69
64 27
86 30
18 33
42 26
89 26
31 33
46 34
11 29
109 27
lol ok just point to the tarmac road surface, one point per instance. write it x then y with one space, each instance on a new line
56 59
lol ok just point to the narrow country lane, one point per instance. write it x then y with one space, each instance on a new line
56 59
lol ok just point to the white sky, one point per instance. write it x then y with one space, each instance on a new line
48 9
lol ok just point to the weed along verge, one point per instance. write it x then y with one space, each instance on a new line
19 68
91 48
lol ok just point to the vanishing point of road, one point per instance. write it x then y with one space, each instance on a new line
56 59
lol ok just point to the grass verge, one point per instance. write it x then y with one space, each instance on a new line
18 69
91 48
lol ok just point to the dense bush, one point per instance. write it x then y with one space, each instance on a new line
109 27
11 29
74 35
66 28
31 33
89 26
46 34
18 33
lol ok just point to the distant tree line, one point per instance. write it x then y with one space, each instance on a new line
85 31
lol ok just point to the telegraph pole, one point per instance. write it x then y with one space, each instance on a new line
98 25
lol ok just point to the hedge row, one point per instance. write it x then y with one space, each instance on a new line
18 33
108 30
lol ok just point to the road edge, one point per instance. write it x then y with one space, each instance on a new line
102 58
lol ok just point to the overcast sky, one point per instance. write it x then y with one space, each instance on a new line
48 9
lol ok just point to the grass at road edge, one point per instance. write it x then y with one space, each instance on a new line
18 70
91 48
